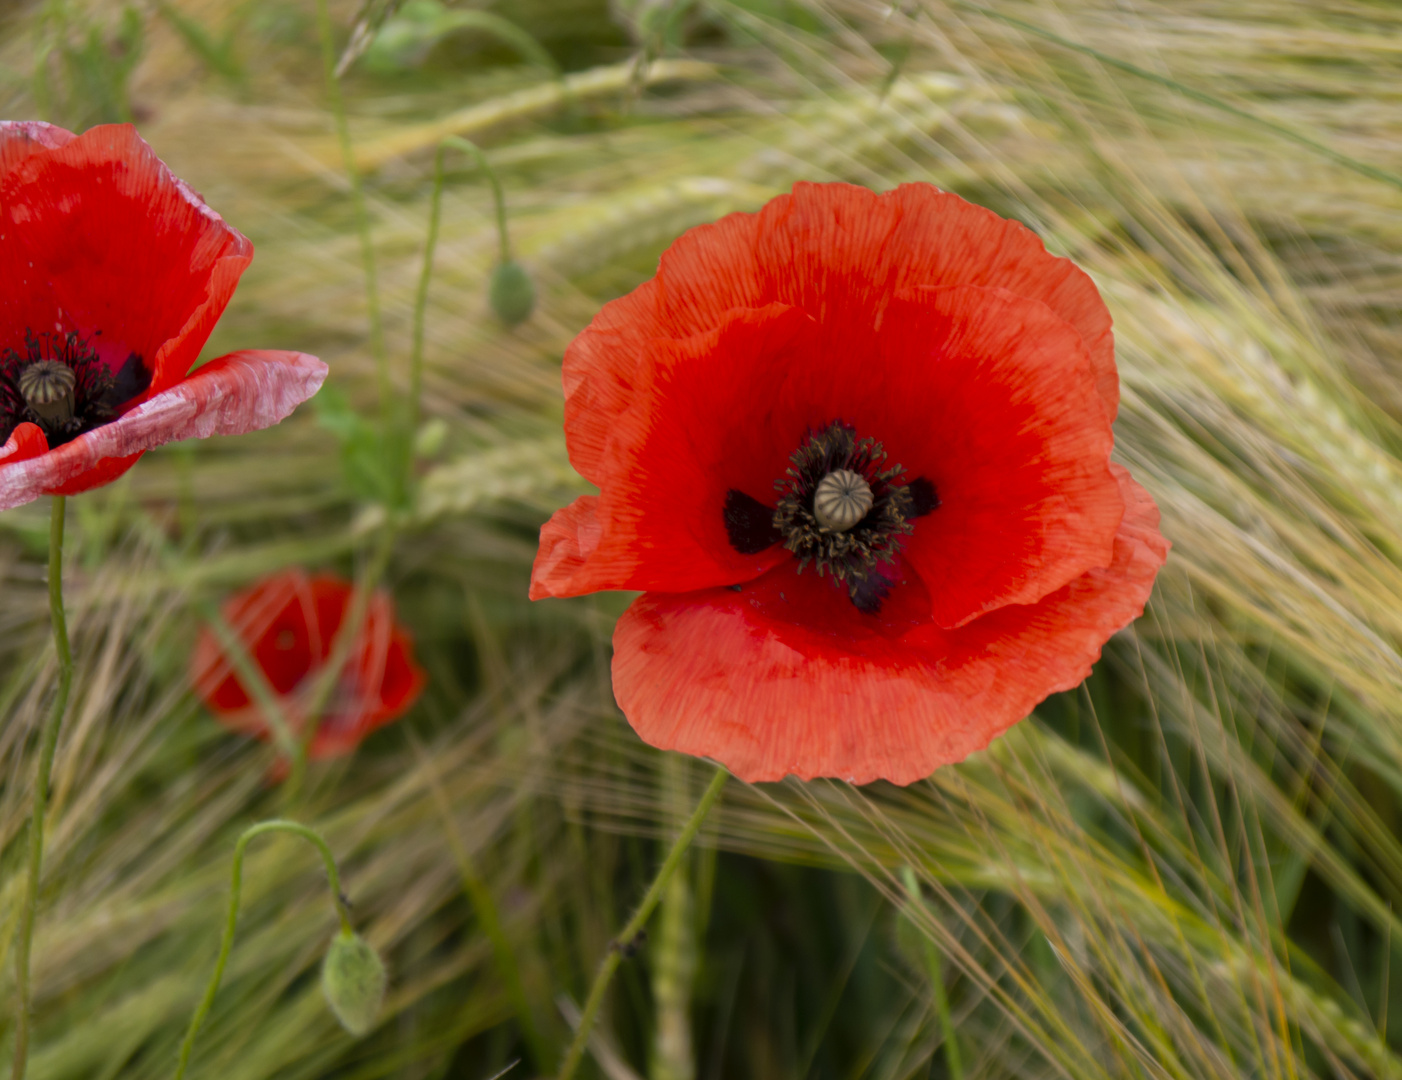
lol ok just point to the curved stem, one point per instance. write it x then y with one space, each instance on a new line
459 143
634 925
435 218
48 743
362 220
333 878
416 349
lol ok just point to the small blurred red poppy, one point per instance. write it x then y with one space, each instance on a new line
287 623
112 275
855 448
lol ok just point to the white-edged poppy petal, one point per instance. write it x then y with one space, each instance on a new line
238 393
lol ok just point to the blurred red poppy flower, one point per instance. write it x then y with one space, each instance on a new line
856 450
288 623
112 275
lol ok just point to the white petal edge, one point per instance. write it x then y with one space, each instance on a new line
244 391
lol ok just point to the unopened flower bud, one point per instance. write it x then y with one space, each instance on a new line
511 293
430 438
353 979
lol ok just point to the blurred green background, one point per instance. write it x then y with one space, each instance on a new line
1188 868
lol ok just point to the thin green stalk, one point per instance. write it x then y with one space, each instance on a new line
333 878
362 219
489 918
934 966
634 925
472 148
435 218
674 958
416 348
48 743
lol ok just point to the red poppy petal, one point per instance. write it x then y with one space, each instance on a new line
21 139
27 441
991 398
378 685
330 597
238 393
731 676
823 248
566 542
97 237
700 424
274 619
404 680
287 623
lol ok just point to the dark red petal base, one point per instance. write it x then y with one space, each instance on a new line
776 679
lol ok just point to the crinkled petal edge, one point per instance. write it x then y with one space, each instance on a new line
237 393
705 674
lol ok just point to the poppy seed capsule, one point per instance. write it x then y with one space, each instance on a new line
353 979
841 500
47 388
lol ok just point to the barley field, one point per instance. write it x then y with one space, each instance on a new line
1187 868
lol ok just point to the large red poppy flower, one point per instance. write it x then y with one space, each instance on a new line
288 623
112 275
856 450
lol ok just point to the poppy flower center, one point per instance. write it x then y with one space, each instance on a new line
840 507
59 382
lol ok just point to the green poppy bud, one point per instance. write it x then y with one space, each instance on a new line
511 293
353 979
428 443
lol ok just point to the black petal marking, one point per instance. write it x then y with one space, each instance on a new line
867 593
132 379
923 497
749 523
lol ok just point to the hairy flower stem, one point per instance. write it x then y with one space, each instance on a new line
48 742
435 217
459 143
416 347
362 219
634 925
333 879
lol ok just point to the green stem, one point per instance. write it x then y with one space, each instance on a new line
435 218
630 931
935 968
48 743
362 219
416 349
333 878
472 148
